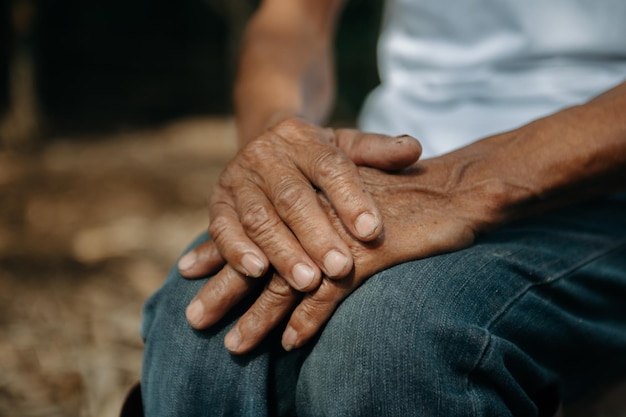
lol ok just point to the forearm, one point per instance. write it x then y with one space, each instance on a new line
286 66
570 156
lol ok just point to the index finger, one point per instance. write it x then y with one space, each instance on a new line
330 170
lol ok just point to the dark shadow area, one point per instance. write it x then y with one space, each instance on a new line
356 56
106 66
129 62
5 40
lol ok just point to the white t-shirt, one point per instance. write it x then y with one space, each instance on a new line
454 71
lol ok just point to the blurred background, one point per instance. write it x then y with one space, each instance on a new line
115 120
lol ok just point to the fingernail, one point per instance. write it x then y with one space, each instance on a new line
195 312
335 262
253 265
187 261
366 224
233 339
290 337
303 275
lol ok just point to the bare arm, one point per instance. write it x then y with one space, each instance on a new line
442 204
286 65
264 210
567 157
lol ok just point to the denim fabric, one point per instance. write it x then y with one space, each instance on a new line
532 314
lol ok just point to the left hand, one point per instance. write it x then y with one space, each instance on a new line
433 207
440 205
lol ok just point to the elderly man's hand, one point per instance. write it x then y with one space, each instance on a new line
434 207
265 209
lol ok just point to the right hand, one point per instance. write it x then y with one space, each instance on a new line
265 210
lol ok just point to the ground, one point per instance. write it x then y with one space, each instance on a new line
88 229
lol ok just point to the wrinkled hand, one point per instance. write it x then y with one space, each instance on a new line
432 208
265 209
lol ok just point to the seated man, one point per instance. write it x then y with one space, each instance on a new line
346 277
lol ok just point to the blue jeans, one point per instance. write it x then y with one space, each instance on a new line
532 314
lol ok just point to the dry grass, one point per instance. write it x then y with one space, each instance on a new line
88 230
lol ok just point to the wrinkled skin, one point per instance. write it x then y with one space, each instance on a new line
427 209
436 205
265 208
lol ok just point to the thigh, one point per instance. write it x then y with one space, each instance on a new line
187 372
531 312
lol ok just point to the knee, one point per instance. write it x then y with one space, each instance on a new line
401 342
177 358
422 336
165 309
168 345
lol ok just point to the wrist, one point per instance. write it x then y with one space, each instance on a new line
572 155
487 196
252 125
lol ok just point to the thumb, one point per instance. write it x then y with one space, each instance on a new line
378 151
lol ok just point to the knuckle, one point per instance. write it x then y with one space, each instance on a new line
258 219
279 290
258 149
218 227
290 127
288 195
219 288
215 291
256 157
225 180
219 199
301 132
229 176
276 297
332 166
255 320
308 316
